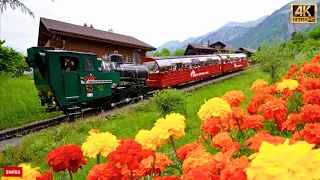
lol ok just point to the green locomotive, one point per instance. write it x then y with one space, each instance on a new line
71 81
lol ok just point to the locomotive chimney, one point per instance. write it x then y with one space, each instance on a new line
136 56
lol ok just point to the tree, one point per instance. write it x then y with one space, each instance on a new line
13 5
11 60
273 57
179 52
314 33
164 52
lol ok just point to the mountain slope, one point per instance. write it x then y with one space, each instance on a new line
252 33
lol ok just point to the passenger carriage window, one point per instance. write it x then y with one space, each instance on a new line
69 63
88 64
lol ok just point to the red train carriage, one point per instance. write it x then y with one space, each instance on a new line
233 62
171 71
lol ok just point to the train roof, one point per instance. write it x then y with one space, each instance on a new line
197 56
66 51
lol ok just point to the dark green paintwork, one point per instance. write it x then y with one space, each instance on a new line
66 85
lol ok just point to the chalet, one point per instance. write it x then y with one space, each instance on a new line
248 51
66 36
198 49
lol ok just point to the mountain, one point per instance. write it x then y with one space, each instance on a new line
252 33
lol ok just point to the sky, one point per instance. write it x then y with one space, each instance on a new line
151 21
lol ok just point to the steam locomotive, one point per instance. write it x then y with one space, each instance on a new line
95 83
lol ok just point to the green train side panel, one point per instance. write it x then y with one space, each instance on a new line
70 86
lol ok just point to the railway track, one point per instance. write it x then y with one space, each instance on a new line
42 124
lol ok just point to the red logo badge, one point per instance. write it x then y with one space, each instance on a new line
12 172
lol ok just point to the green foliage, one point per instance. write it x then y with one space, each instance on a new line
19 103
314 33
273 57
179 52
170 100
164 52
12 61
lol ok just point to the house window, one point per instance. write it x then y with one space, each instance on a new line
88 64
128 59
105 57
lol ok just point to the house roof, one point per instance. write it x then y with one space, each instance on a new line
229 48
200 46
218 42
248 49
57 27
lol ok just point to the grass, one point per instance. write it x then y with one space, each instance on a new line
126 123
19 102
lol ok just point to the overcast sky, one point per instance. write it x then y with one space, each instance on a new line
152 21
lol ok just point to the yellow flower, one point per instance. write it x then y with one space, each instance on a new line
215 107
287 83
102 143
148 139
296 161
28 173
176 116
174 126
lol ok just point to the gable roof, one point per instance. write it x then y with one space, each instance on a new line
248 49
229 48
216 43
59 27
200 46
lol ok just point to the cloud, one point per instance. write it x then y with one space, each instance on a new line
151 21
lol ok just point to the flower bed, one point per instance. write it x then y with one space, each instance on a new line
276 137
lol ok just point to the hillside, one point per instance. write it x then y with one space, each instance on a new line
252 33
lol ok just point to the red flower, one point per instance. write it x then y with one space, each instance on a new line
184 150
252 109
311 133
253 122
292 121
46 176
275 110
312 97
236 169
105 171
66 157
310 113
206 171
129 153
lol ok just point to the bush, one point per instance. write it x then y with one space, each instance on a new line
171 100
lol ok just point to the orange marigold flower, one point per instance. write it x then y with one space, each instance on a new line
311 68
252 109
291 122
46 176
162 161
253 122
293 70
192 162
221 159
316 58
206 171
129 153
311 133
258 99
255 141
273 89
260 86
214 125
310 113
238 114
275 110
234 97
310 83
172 177
312 97
185 150
236 169
105 171
224 141
66 157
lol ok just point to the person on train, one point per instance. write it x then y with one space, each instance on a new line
68 65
